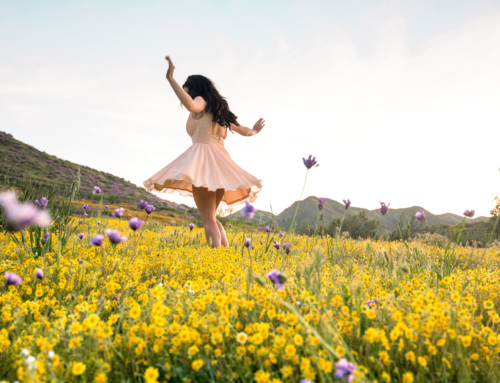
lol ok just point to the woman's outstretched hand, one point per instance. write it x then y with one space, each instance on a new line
171 67
259 125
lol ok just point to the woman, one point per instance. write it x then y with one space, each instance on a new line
205 170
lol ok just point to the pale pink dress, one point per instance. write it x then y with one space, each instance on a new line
207 164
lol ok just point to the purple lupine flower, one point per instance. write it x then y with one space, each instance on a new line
310 162
276 245
97 190
80 221
247 243
372 304
277 277
80 261
12 279
347 203
287 247
420 216
39 274
321 203
191 226
97 240
42 202
115 237
18 216
142 204
81 235
117 297
282 235
344 369
86 206
248 211
267 229
105 206
384 208
230 225
45 238
98 223
469 213
118 212
149 209
135 223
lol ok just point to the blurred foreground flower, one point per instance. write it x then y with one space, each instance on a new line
277 277
344 369
248 211
469 213
97 240
384 208
142 204
39 274
135 223
18 216
115 237
310 162
97 190
12 279
276 245
81 235
149 209
267 229
347 203
420 216
191 226
118 212
248 241
321 203
372 304
45 238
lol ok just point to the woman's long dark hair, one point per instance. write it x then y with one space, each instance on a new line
199 85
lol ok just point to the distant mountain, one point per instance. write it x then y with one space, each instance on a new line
21 164
308 211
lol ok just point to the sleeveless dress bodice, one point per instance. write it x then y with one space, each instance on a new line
205 131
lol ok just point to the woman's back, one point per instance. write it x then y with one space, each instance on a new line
204 130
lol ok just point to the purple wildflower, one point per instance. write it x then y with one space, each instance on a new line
98 223
267 229
347 203
230 225
149 209
80 221
97 190
282 235
86 206
276 245
39 274
118 212
117 297
384 208
142 204
321 203
277 277
420 216
372 304
191 226
115 237
42 202
97 240
45 238
287 247
344 369
81 235
469 213
135 223
106 206
248 211
306 381
12 279
80 261
247 243
18 216
310 162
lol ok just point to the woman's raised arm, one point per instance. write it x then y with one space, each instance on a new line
244 131
195 106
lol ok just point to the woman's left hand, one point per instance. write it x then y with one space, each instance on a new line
259 125
171 68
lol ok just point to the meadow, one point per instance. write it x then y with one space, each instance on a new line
160 305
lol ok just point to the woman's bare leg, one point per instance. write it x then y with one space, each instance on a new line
205 201
218 198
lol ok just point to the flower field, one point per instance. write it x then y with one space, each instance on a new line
163 306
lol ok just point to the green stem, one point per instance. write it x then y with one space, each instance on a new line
298 205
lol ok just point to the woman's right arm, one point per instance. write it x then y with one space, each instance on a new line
244 131
195 106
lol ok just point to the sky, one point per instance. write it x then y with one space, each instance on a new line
398 100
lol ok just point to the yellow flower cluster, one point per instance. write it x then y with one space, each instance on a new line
162 307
